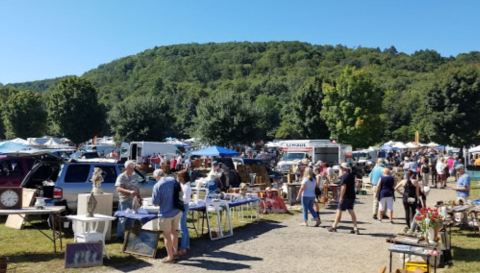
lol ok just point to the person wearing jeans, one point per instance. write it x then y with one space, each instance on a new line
307 192
127 189
183 179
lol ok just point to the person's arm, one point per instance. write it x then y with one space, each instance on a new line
343 190
155 196
300 192
379 185
399 185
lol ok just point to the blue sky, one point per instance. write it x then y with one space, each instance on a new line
49 38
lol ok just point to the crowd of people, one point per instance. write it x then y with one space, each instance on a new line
412 177
410 174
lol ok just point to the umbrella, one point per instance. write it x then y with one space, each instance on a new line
215 151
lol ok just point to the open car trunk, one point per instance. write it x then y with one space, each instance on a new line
45 168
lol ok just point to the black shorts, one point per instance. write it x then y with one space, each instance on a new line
346 204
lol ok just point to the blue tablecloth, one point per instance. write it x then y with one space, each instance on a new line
147 217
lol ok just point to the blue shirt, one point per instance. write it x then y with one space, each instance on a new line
162 196
463 182
375 174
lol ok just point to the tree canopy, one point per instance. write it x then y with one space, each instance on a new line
285 84
24 115
73 110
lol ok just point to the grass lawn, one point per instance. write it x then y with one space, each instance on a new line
30 251
466 245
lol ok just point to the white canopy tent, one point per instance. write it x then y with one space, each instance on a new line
432 145
412 145
475 149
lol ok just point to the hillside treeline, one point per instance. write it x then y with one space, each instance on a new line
240 92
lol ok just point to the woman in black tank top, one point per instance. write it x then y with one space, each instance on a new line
411 194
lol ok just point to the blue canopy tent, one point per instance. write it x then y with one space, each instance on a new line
10 147
215 151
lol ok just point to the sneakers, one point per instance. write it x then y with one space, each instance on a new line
355 231
318 222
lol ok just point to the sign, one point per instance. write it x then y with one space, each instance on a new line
84 255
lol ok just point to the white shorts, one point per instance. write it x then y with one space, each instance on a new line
386 203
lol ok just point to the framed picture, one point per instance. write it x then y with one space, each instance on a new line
142 242
83 255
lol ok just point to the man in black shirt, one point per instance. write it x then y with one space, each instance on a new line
347 198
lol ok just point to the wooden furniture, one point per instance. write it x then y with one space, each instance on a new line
88 229
16 221
53 212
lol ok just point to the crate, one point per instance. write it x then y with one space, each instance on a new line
416 266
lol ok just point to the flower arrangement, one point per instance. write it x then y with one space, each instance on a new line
429 218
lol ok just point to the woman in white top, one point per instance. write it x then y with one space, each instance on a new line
307 192
184 181
441 175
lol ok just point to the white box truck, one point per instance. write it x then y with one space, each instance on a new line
314 150
142 149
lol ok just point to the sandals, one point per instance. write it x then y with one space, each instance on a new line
168 261
332 229
355 231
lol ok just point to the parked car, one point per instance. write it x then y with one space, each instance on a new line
15 166
74 177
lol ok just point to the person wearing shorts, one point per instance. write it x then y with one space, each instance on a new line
169 216
385 194
347 198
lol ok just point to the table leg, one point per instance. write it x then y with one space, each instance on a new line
60 230
428 264
54 235
390 262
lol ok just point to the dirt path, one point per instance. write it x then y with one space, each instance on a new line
289 247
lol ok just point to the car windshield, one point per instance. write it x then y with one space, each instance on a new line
360 156
293 156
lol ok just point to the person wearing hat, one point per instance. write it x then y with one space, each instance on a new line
463 183
347 198
374 177
127 188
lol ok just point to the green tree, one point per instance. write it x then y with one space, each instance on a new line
452 107
301 118
268 118
73 110
141 118
226 118
352 108
24 115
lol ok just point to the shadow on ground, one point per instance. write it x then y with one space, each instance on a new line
203 250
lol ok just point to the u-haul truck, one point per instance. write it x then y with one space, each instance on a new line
313 150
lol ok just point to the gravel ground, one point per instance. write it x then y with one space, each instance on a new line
288 247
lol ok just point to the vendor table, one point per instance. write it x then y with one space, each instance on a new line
200 208
87 229
53 213
412 250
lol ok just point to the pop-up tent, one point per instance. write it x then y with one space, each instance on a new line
215 151
10 147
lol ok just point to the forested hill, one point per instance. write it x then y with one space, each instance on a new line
276 77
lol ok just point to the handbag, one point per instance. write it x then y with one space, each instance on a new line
318 191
